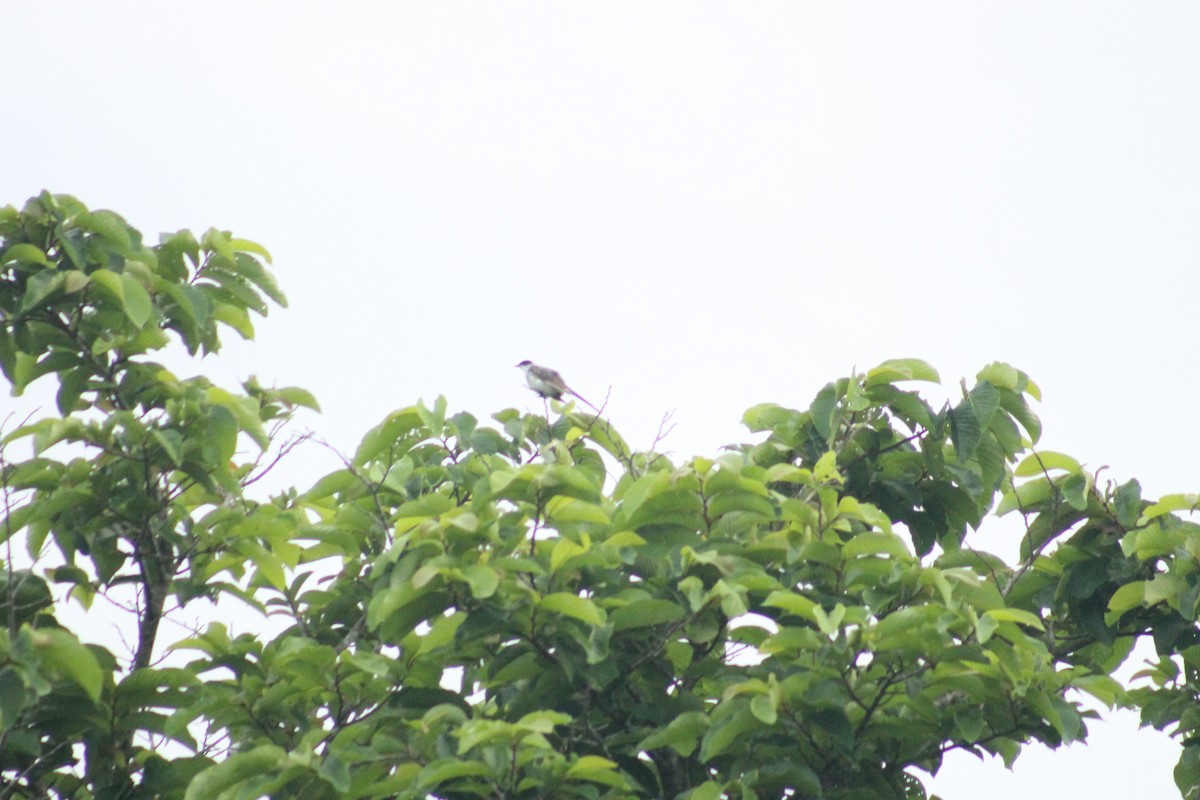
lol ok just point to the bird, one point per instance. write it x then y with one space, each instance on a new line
548 383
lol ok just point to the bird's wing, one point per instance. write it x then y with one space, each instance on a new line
549 376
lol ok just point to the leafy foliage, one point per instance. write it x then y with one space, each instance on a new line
526 607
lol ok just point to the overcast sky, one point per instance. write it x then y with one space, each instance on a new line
700 205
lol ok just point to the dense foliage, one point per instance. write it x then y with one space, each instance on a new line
525 608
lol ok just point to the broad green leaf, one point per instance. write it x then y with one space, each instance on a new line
965 430
682 734
985 400
1043 462
682 508
709 790
571 605
902 369
728 731
215 781
235 317
110 226
645 613
1075 490
482 579
221 434
543 721
825 470
1015 615
25 253
1104 688
40 287
876 544
1026 496
269 568
590 764
1000 374
1127 597
824 412
245 410
110 284
136 300
565 509
564 549
1172 502
793 603
296 396
61 651
247 246
766 416
1164 588
447 769
392 436
763 707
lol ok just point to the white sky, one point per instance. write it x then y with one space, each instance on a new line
702 205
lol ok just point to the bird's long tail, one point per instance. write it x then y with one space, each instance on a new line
584 400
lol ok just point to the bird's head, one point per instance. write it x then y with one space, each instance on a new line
525 363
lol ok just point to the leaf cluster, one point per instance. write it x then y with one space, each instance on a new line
523 607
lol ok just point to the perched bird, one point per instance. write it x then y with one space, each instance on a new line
548 383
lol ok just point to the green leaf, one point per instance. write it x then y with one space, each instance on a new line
25 253
727 732
62 651
709 790
1128 502
587 764
213 782
248 268
572 605
1127 597
682 734
247 246
245 410
795 604
563 509
1000 374
763 708
296 396
136 299
445 770
825 470
171 443
645 613
680 507
1075 491
1172 502
235 317
876 544
543 721
109 226
221 435
482 579
110 284
392 436
766 416
1026 497
964 430
1015 615
902 369
39 288
1044 462
72 383
985 400
824 411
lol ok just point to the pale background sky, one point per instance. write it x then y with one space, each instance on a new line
702 205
